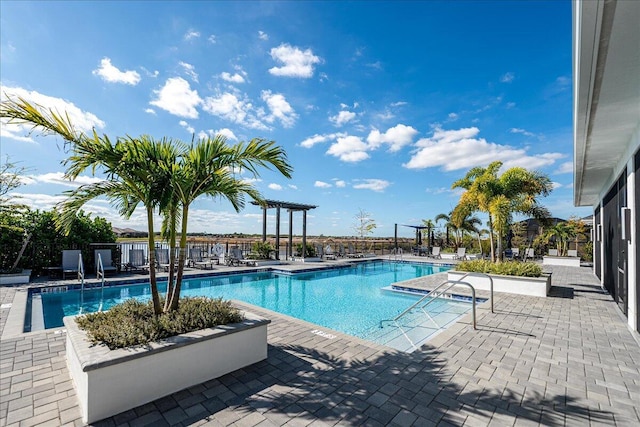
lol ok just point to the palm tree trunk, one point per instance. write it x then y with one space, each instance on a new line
155 297
175 298
493 254
172 261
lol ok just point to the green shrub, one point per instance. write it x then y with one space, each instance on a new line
310 251
261 250
507 268
133 322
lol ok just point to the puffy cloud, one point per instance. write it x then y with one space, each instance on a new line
111 74
316 139
58 178
521 131
188 127
297 63
342 117
150 111
189 70
396 137
378 185
83 121
280 109
232 78
176 97
262 35
556 185
191 34
340 183
212 39
566 167
322 184
452 117
507 77
349 149
460 149
276 187
229 107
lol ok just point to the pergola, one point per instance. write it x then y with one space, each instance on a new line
291 208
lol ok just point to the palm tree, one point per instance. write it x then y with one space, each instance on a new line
164 176
515 191
450 225
430 226
209 167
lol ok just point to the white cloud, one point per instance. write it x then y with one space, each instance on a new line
276 187
262 35
349 149
378 185
212 39
280 109
58 178
321 184
111 74
452 117
189 70
83 121
191 34
521 131
340 183
229 107
150 111
566 167
396 137
507 77
292 186
232 78
556 185
342 117
315 139
149 73
176 97
510 105
188 127
460 149
297 63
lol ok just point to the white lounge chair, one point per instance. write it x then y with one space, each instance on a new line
328 253
197 260
435 252
461 254
162 259
137 261
236 258
515 253
108 267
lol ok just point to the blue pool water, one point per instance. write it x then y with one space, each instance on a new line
348 299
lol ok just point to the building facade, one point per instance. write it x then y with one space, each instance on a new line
606 118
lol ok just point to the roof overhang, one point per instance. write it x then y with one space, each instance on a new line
606 91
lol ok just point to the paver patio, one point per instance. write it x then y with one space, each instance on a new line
568 359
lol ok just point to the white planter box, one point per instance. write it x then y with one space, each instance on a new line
569 261
16 278
108 382
533 286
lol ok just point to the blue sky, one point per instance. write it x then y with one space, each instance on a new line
379 105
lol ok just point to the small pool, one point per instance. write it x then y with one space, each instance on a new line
350 299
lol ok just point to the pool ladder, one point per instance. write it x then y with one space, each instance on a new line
436 293
99 275
396 254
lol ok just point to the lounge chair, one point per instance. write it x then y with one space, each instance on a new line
197 261
351 252
529 253
71 259
341 251
104 255
435 252
319 250
137 261
236 258
515 253
162 259
572 252
461 254
328 253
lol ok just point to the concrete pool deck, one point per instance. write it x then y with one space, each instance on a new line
568 359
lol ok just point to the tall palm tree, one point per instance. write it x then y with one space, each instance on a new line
450 225
515 191
209 167
430 226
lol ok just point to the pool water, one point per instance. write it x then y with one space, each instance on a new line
348 299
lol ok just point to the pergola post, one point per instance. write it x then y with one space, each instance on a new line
264 224
304 233
278 232
290 248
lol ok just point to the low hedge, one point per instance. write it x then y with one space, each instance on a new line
134 323
506 268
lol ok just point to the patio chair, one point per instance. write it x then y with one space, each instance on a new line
236 257
137 261
328 253
104 255
196 260
71 259
435 252
162 259
352 253
341 252
461 254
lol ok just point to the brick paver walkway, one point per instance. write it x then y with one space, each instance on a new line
564 360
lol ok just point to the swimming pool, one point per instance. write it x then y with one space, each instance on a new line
348 299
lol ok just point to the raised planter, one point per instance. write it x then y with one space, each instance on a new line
533 286
108 382
569 261
15 278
